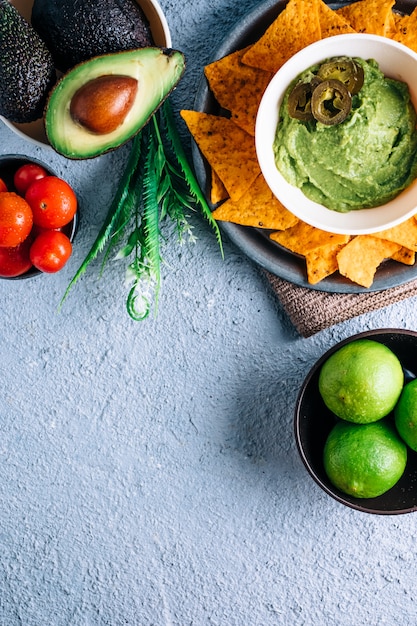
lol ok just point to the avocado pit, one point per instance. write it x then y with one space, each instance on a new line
102 104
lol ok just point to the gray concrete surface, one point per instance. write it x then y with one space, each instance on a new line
149 474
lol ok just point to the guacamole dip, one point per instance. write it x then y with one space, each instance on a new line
362 162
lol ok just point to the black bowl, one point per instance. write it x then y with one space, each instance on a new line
9 164
313 422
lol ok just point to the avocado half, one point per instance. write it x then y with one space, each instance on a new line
105 83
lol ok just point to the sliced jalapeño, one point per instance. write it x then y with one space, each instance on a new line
299 102
331 102
346 70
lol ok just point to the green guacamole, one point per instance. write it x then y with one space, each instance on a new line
363 162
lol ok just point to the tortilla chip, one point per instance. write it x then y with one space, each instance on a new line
296 27
398 18
405 256
258 208
407 30
400 21
391 26
322 262
303 238
218 191
238 87
405 234
229 150
369 16
331 23
361 257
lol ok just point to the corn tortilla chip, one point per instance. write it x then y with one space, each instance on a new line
218 191
238 88
322 262
398 18
258 208
369 16
296 27
404 234
229 150
407 30
331 23
303 238
405 256
391 26
351 258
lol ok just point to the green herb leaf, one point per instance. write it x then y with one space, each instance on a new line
146 267
189 177
157 184
116 208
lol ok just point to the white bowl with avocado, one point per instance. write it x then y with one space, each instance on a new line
34 131
326 166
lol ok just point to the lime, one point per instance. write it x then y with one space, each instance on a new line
364 460
406 414
362 381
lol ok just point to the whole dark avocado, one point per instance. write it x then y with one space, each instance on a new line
27 71
77 30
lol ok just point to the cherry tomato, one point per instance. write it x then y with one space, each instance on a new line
26 175
15 261
3 186
16 219
50 251
53 202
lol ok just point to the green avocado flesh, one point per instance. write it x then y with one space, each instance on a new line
157 71
365 161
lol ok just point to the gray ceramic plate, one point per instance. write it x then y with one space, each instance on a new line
255 243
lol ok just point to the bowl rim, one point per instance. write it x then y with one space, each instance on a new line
333 492
292 197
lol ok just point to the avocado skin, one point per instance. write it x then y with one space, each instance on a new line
27 70
77 30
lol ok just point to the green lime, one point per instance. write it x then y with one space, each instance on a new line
362 381
364 460
406 414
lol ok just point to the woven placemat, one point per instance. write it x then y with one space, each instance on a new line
311 311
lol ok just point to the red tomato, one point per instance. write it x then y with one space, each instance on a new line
50 251
53 202
26 175
3 186
15 261
16 219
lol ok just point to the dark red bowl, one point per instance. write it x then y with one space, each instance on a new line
313 422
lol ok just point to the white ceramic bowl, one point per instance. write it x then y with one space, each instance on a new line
34 131
396 61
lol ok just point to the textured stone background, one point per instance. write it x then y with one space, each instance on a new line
149 474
